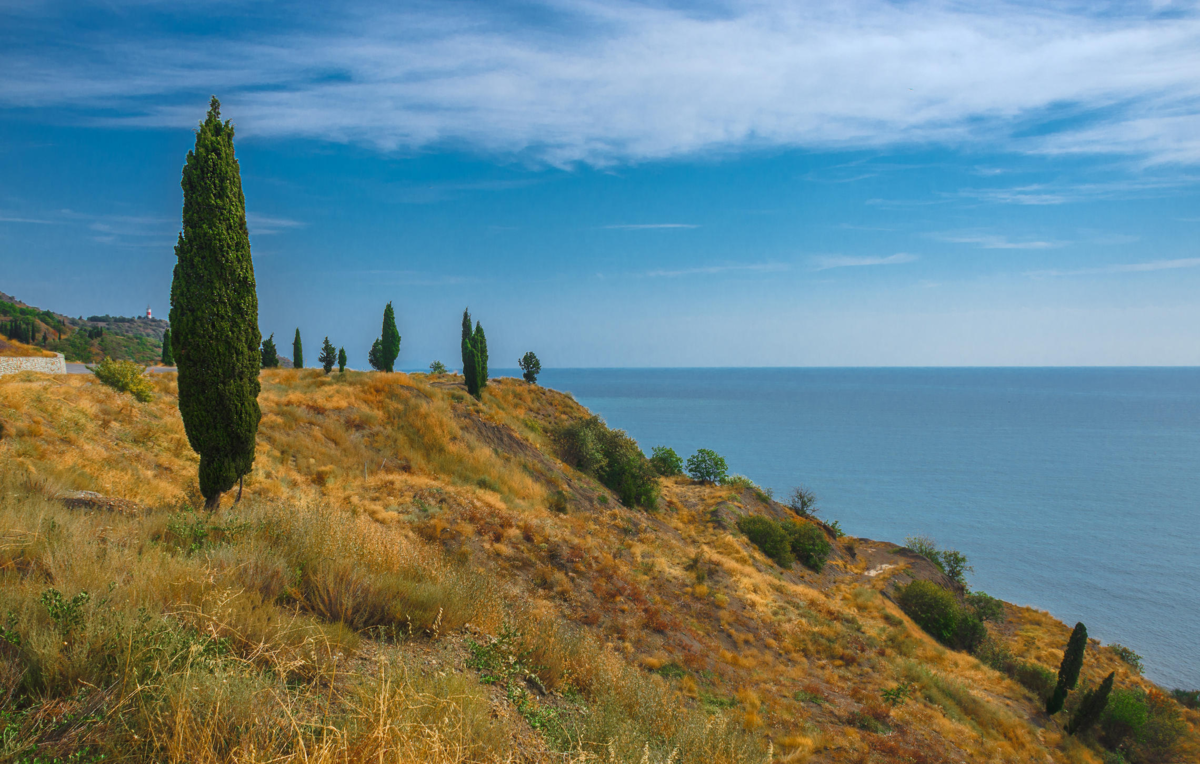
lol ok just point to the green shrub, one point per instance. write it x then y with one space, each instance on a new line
809 544
1123 717
666 462
1035 677
707 466
803 501
932 608
767 535
738 481
558 502
1187 698
531 367
125 376
985 606
951 562
437 367
1128 656
612 457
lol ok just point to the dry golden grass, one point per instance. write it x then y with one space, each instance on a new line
389 519
21 350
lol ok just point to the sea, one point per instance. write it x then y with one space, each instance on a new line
1071 490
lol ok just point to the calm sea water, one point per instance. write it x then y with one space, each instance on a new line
1072 490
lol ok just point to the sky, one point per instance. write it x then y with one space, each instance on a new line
754 183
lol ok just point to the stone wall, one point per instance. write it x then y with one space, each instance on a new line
12 365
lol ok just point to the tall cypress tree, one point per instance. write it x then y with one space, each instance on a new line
270 356
297 351
389 342
1091 707
328 356
479 347
468 355
214 313
1068 671
168 358
341 360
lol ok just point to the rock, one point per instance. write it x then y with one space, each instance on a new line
90 500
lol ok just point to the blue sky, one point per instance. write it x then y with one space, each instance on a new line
633 184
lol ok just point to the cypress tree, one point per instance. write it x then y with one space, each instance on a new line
1091 707
341 360
168 359
214 313
297 351
468 355
328 356
1068 671
270 356
375 355
389 342
479 348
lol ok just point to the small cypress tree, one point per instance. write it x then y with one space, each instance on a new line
328 356
468 354
530 367
341 360
479 347
168 358
389 341
1091 707
270 356
214 313
297 351
1068 671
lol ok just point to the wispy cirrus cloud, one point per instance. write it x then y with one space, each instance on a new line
712 270
848 261
1152 265
647 226
263 225
993 241
609 82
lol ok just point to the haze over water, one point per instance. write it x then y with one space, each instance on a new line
1070 490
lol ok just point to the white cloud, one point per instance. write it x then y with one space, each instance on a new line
649 226
1153 265
847 261
606 82
709 270
990 241
262 225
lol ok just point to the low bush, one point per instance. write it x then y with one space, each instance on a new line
951 562
740 482
610 456
803 501
666 462
1187 698
707 466
932 608
809 544
767 535
1035 677
985 606
125 376
1128 656
1123 717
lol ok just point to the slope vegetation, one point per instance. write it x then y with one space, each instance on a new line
414 575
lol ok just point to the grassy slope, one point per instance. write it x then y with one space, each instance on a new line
139 341
392 525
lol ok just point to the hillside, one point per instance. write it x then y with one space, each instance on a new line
413 575
83 339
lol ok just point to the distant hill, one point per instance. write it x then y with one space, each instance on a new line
131 338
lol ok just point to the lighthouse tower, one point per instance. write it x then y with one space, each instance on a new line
148 316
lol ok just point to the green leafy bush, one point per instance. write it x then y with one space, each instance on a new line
666 462
125 376
951 562
809 543
738 481
1128 656
707 466
1035 677
933 608
1123 717
985 606
767 535
612 457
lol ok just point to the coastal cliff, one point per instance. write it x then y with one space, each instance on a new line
412 574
